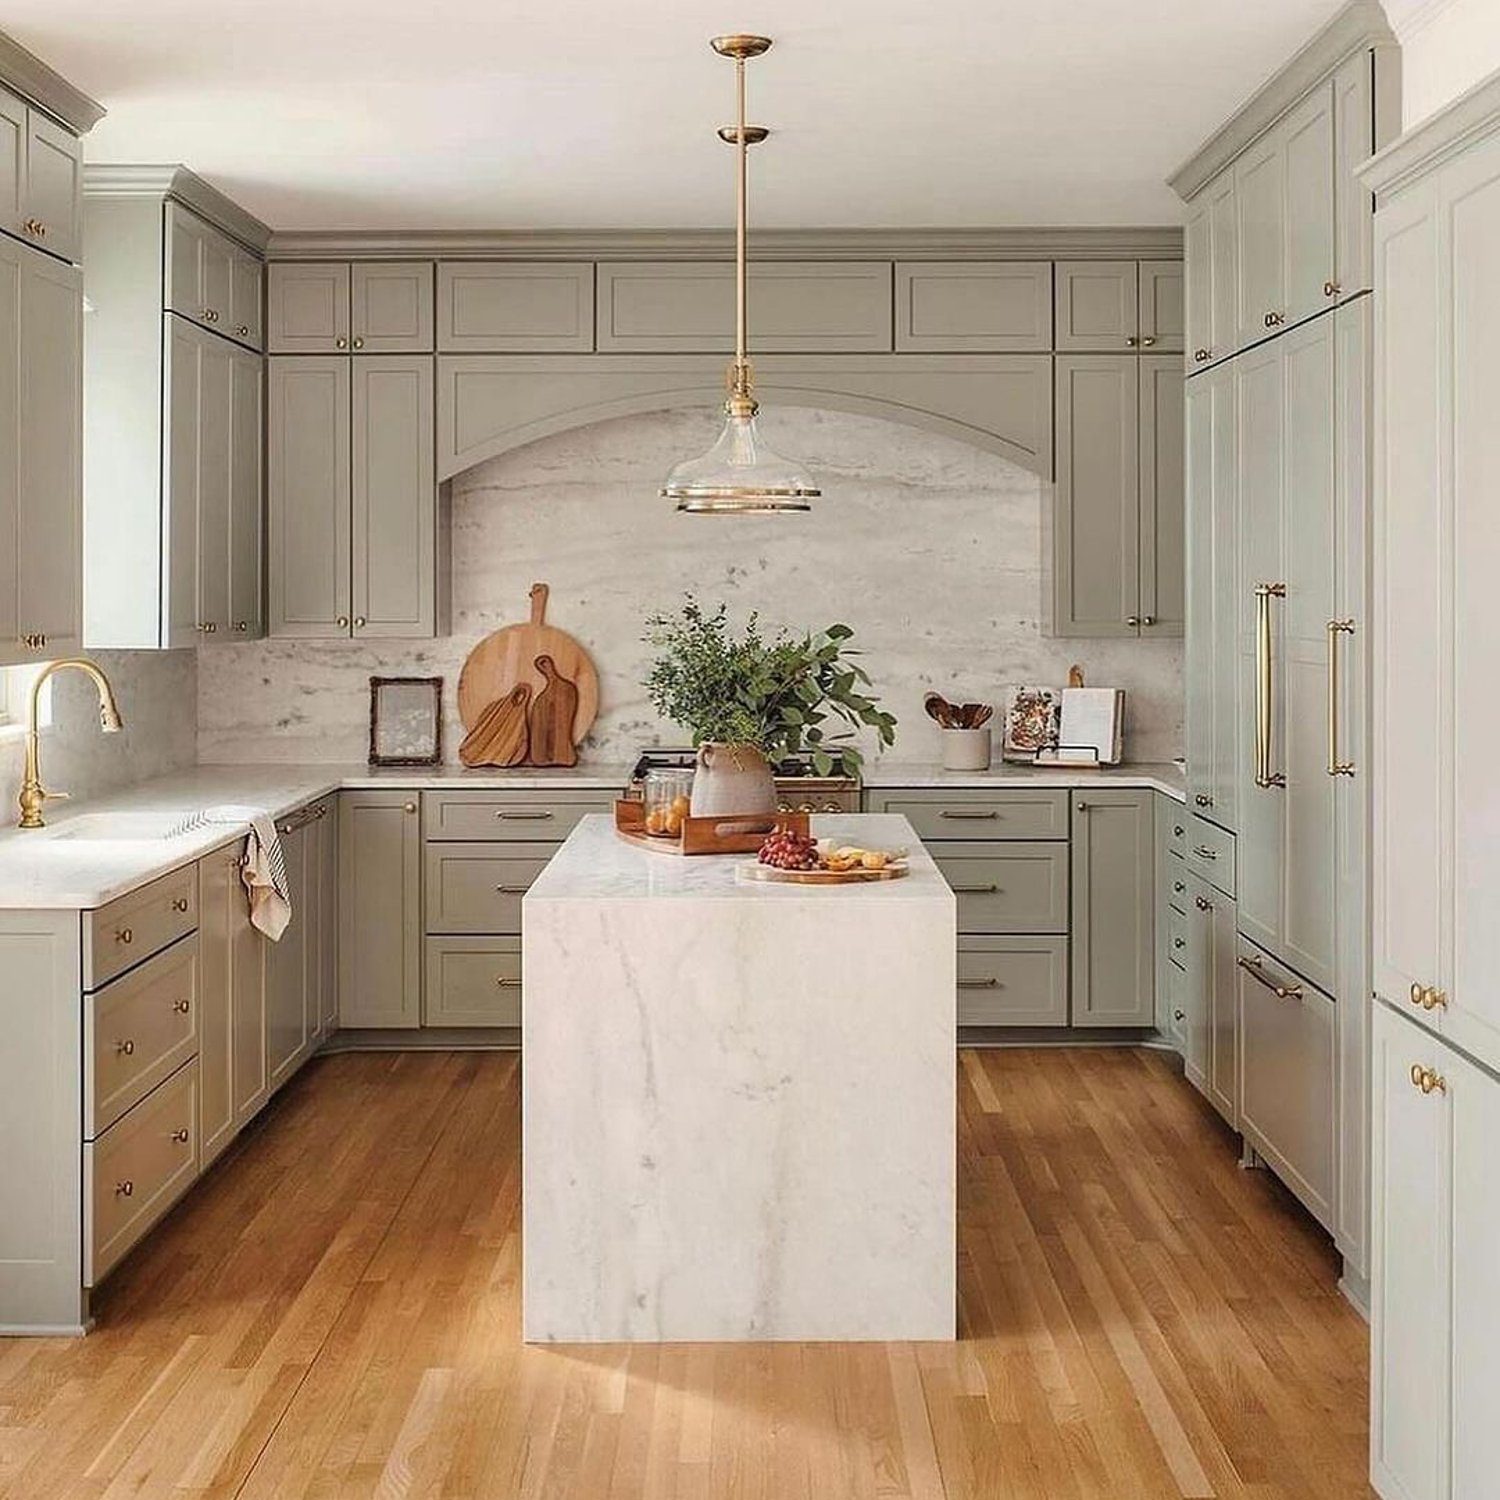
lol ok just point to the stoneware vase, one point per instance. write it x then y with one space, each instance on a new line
732 781
966 749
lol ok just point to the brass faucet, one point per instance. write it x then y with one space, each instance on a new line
33 794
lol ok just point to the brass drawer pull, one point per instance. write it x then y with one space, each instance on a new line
1427 1080
1178 830
976 890
124 1189
979 984
125 1049
1252 967
1204 852
1179 1015
182 1007
180 1136
980 816
179 903
512 890
540 816
506 983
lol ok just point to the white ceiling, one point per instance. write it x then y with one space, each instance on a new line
371 114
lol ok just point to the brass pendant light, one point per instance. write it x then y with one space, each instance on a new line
740 475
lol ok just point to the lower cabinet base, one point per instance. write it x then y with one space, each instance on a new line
428 1039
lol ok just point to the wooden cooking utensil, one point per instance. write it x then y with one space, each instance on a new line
507 657
551 718
501 736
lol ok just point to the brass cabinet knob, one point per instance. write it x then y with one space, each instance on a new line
1416 993
1132 343
1202 356
1148 619
242 626
1275 319
1429 1081
1202 799
1331 289
179 903
1178 942
1178 830
359 343
1148 341
180 1136
182 1007
1133 621
342 621
1203 903
410 807
124 935
359 622
1179 1015
1179 887
243 330
125 1048
124 1189
341 343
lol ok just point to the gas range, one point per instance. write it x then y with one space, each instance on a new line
798 786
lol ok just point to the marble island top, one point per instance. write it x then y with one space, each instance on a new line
596 864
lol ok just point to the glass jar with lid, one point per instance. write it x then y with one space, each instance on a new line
668 793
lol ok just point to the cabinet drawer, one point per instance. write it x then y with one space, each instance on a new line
1210 853
132 928
1287 1076
137 1169
473 888
1175 880
507 816
1016 887
138 1031
1177 1006
1013 981
1174 829
979 814
473 981
1176 938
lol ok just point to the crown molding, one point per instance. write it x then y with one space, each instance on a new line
1153 243
1472 117
172 180
27 74
1360 26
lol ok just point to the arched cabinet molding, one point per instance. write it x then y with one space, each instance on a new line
489 404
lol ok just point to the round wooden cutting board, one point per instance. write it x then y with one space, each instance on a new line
507 657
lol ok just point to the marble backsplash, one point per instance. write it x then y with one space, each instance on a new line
157 693
929 548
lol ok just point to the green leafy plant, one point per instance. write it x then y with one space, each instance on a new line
783 694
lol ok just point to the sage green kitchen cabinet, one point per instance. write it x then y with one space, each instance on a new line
372 307
1211 271
380 910
958 307
1171 910
1113 907
506 307
352 509
326 837
287 1029
247 490
12 163
248 950
1213 1047
1215 723
41 179
1098 306
41 334
1162 313
223 928
212 279
1117 564
1355 136
687 307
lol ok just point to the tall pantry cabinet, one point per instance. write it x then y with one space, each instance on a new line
1278 396
1435 1371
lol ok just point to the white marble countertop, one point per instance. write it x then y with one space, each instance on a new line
1161 776
596 864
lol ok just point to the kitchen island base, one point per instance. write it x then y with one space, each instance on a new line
739 1099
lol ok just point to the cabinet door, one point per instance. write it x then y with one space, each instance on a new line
12 162
1410 1300
11 628
1162 312
945 307
316 921
380 910
499 307
50 498
1211 985
327 984
219 895
391 307
183 345
1096 523
1470 215
307 484
1163 566
246 321
1113 915
246 497
307 307
185 233
394 497
54 186
1410 649
1223 208
218 280
1198 251
1353 144
1307 146
1097 306
1260 238
286 969
215 477
248 949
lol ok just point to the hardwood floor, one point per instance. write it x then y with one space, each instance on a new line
335 1312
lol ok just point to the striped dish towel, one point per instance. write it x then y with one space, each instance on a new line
263 869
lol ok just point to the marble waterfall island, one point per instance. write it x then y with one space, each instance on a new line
738 1098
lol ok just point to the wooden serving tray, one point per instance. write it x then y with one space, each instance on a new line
773 876
704 835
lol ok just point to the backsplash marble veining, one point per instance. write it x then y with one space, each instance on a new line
929 548
157 692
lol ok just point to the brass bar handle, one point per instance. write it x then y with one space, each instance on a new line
1204 851
507 984
1253 968
1336 767
511 890
976 890
524 817
954 813
979 984
1264 593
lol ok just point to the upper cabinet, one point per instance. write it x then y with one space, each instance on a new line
41 179
1105 306
505 307
954 307
174 496
328 307
1212 273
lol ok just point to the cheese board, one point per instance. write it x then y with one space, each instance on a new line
755 872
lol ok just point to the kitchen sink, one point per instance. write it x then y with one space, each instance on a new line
123 827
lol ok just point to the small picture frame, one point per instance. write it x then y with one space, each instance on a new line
406 721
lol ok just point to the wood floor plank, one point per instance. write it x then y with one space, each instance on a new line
335 1313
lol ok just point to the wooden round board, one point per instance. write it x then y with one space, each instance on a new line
772 876
507 657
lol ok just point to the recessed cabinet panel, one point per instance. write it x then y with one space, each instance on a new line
182 473
1162 326
1013 981
54 186
957 307
247 296
499 307
1097 306
688 307
286 966
307 307
1308 150
12 162
380 893
473 981
308 496
1163 566
1353 204
391 307
1113 908
246 496
215 472
1260 213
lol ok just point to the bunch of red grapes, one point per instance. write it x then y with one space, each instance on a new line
788 850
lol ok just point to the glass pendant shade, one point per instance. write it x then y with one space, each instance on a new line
739 475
